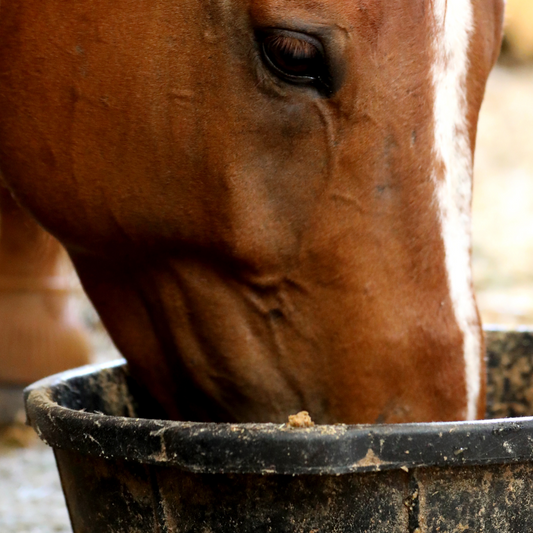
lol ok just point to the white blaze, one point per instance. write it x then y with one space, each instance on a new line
454 28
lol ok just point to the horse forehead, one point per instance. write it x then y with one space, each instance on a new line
369 19
370 12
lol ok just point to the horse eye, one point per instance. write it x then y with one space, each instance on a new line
296 58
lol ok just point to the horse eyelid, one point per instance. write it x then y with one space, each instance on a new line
297 47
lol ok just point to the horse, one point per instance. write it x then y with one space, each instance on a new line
268 202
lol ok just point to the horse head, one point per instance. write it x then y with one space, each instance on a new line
268 201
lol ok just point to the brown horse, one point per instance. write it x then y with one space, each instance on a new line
268 201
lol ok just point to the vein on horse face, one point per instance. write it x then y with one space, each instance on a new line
453 177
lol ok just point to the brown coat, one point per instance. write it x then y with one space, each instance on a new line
256 243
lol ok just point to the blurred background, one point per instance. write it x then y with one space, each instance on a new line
503 180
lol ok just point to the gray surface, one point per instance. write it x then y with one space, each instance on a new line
31 500
11 404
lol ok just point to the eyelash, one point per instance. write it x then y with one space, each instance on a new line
295 58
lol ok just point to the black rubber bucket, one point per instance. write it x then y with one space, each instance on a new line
138 475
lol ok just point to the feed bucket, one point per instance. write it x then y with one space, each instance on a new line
121 473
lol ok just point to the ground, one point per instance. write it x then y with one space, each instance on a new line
31 501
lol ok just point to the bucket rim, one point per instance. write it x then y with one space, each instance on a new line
225 448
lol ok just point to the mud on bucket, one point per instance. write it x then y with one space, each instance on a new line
138 475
